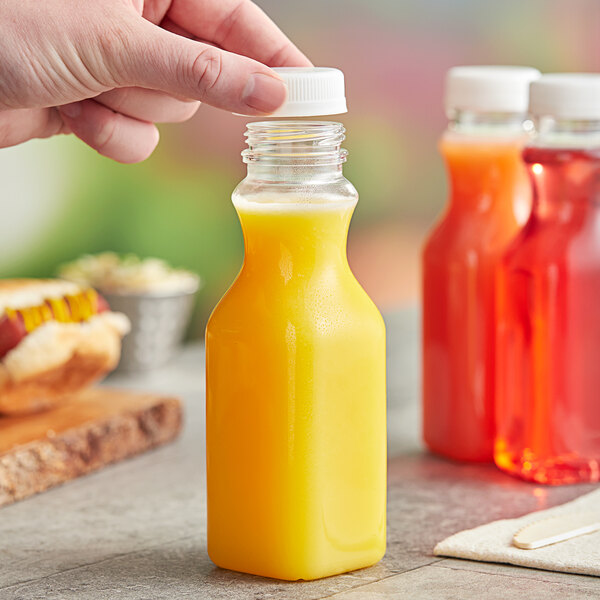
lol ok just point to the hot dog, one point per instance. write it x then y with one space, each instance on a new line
17 323
56 337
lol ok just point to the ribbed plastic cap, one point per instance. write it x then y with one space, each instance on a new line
489 88
566 96
312 91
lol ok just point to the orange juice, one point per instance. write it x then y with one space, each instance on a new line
296 432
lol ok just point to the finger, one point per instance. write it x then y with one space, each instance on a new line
148 105
155 10
169 25
239 26
17 126
138 5
111 134
157 59
173 27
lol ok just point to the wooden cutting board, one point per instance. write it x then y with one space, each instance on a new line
91 429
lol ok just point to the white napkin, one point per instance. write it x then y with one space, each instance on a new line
493 542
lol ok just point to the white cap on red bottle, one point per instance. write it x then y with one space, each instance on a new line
489 88
312 91
566 96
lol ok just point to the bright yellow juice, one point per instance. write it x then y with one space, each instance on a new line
296 432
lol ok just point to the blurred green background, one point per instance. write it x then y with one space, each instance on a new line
60 199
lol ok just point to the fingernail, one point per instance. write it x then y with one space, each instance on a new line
71 110
264 93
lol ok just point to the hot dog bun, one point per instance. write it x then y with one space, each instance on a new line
56 358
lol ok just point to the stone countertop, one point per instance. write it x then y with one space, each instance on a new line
137 530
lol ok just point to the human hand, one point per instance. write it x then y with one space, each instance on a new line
107 70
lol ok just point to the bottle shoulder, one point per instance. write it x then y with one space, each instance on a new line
224 304
484 141
333 188
459 234
314 306
542 244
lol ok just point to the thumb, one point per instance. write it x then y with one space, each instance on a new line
158 59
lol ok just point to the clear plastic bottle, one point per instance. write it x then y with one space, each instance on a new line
489 202
295 356
548 409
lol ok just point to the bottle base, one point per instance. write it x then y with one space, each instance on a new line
561 470
456 455
289 573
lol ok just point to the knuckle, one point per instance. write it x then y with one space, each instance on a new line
206 69
114 47
279 56
227 26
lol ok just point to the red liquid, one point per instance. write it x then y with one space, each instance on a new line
489 188
548 401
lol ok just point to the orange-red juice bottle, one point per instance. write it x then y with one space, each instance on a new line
489 201
548 404
295 358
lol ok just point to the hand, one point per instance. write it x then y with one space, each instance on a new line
107 70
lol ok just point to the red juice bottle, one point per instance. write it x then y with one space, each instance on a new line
548 303
489 202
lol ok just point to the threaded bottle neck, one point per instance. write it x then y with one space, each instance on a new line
284 148
484 123
552 132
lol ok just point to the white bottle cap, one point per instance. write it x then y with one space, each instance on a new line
489 88
312 91
566 96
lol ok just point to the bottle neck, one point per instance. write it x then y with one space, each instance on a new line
553 132
564 164
294 244
294 152
295 205
566 182
488 124
482 151
487 176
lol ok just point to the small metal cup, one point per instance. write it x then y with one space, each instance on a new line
158 324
